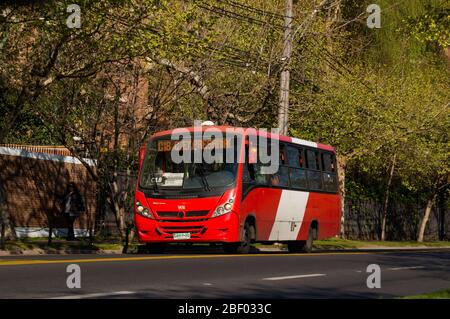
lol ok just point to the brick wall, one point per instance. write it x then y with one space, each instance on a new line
34 184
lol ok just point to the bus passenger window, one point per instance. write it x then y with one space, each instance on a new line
317 159
301 159
274 180
328 162
329 175
246 175
281 178
282 155
311 160
293 156
298 178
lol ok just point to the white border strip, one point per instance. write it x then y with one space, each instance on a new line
303 142
44 156
30 232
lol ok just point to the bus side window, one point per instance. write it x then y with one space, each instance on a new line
281 178
311 162
282 155
293 156
328 162
248 172
313 170
301 158
329 172
333 163
317 160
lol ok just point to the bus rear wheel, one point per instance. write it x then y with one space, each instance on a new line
242 247
156 248
302 246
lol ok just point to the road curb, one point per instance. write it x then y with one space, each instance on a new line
368 248
40 251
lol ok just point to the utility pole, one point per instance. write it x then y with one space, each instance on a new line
283 109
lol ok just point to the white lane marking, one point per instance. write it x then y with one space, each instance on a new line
106 294
291 208
294 277
406 268
207 284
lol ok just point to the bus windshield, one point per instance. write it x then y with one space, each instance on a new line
161 173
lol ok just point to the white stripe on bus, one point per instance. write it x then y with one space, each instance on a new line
291 208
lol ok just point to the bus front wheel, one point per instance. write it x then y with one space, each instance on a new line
242 247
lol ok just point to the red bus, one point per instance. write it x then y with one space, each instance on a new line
233 201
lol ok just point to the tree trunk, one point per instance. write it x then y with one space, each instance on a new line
425 218
342 165
386 199
118 210
442 211
3 219
446 54
2 234
50 228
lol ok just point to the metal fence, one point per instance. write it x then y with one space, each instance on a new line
363 221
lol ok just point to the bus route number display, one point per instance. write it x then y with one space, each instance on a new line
168 145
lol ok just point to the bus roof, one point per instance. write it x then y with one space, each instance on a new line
250 131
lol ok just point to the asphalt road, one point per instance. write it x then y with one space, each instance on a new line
215 275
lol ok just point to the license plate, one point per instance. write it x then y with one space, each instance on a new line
181 236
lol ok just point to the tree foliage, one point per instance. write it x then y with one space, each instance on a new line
137 66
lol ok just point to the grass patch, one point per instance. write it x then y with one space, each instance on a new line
59 244
443 294
344 243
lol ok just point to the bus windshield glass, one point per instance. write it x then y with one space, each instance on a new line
199 173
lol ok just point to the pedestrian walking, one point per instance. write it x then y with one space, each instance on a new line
73 207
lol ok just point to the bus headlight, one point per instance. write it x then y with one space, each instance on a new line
224 208
143 211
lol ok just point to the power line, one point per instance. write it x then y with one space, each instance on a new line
252 9
238 16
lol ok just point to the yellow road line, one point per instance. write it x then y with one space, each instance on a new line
94 260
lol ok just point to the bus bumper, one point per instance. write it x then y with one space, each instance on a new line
224 228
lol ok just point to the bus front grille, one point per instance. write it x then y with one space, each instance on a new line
197 213
170 214
180 214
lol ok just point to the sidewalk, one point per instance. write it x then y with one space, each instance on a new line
361 249
62 247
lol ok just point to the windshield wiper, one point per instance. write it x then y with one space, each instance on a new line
203 177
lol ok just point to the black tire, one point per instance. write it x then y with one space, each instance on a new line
155 248
242 247
307 247
302 246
